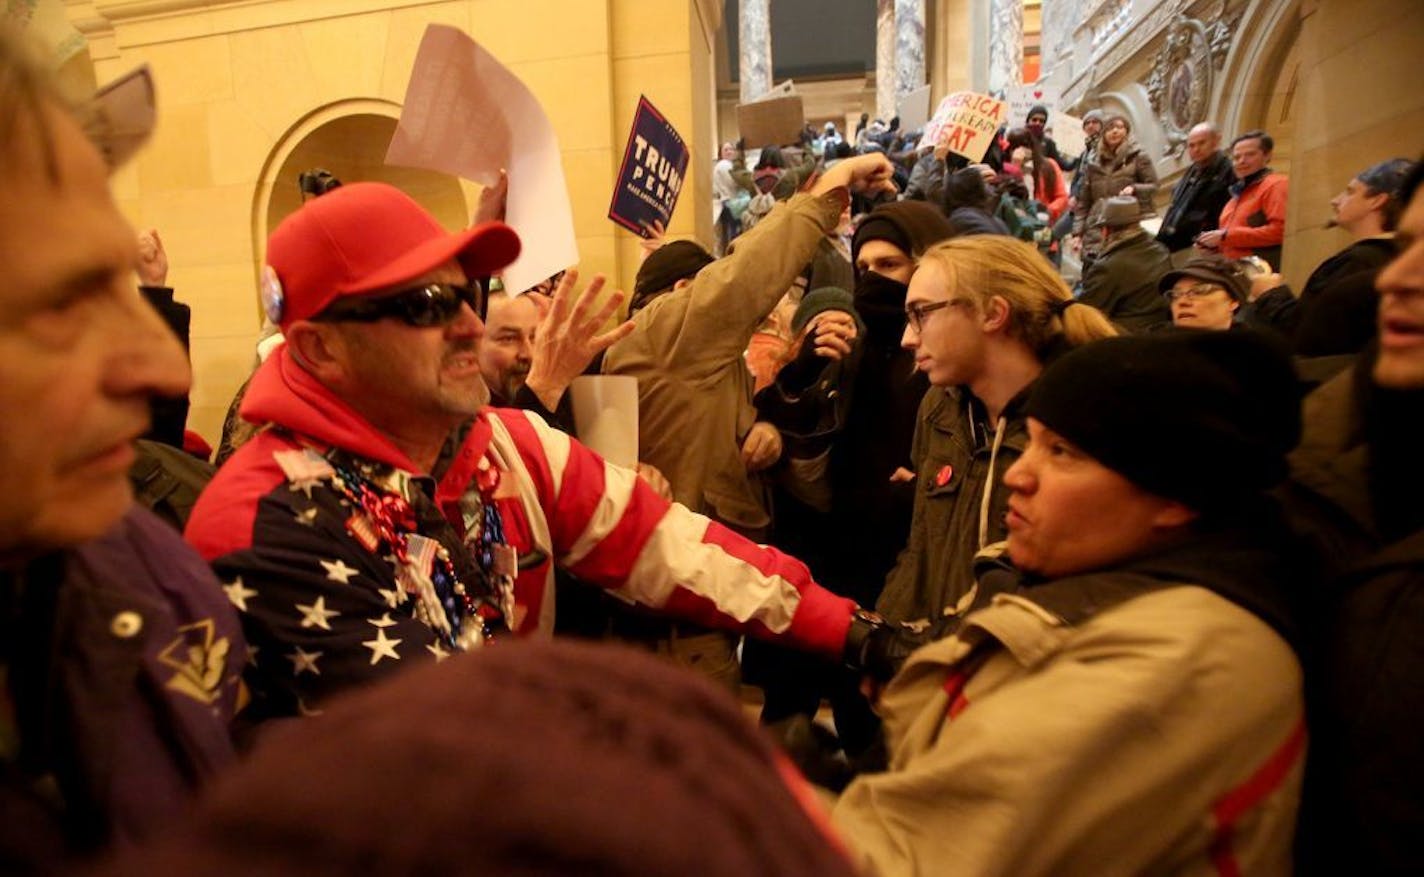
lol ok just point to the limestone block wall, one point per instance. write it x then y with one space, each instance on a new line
248 92
1359 103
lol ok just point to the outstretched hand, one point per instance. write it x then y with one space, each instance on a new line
567 338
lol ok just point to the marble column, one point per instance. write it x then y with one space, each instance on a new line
909 46
1056 39
1005 44
754 42
885 74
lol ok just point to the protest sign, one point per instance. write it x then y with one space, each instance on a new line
650 177
466 114
783 89
965 122
1023 98
1067 132
771 122
913 108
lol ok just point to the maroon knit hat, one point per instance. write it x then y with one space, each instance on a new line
364 237
548 758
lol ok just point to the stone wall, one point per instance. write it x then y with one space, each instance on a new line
1359 102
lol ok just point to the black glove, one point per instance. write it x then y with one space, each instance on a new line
878 648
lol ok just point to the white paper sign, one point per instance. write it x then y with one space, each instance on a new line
1023 98
466 114
1068 134
913 108
606 416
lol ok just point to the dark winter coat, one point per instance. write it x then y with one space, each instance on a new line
124 660
1354 492
1196 204
1122 283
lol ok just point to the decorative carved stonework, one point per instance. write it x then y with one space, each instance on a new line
1109 21
1139 35
1179 84
1220 33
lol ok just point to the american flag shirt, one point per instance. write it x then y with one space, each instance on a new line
325 603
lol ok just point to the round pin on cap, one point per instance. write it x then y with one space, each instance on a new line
273 297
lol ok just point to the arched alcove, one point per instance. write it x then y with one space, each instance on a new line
349 139
1259 77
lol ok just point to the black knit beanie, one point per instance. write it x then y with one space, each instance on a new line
1202 417
674 261
826 298
524 758
913 226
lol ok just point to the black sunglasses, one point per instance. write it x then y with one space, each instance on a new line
433 304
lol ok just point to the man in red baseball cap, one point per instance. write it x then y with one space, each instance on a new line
386 517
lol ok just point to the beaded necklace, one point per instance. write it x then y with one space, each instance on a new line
462 619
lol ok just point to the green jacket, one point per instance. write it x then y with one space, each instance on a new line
686 350
953 450
1365 807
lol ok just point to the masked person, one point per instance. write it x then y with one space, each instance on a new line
859 466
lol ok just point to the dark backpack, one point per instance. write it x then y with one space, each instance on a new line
1026 219
167 481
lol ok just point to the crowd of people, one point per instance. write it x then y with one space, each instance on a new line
1116 575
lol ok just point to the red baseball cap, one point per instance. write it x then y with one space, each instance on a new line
363 237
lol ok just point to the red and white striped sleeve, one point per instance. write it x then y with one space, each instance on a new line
609 528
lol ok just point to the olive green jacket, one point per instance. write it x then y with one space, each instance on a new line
686 350
953 451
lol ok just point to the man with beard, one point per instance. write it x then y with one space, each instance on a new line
385 517
534 346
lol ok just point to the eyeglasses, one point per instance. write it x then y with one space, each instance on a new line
434 304
1201 290
915 313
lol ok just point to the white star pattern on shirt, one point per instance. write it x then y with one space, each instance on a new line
237 593
304 661
316 614
383 621
304 485
338 571
381 647
394 596
438 651
307 517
